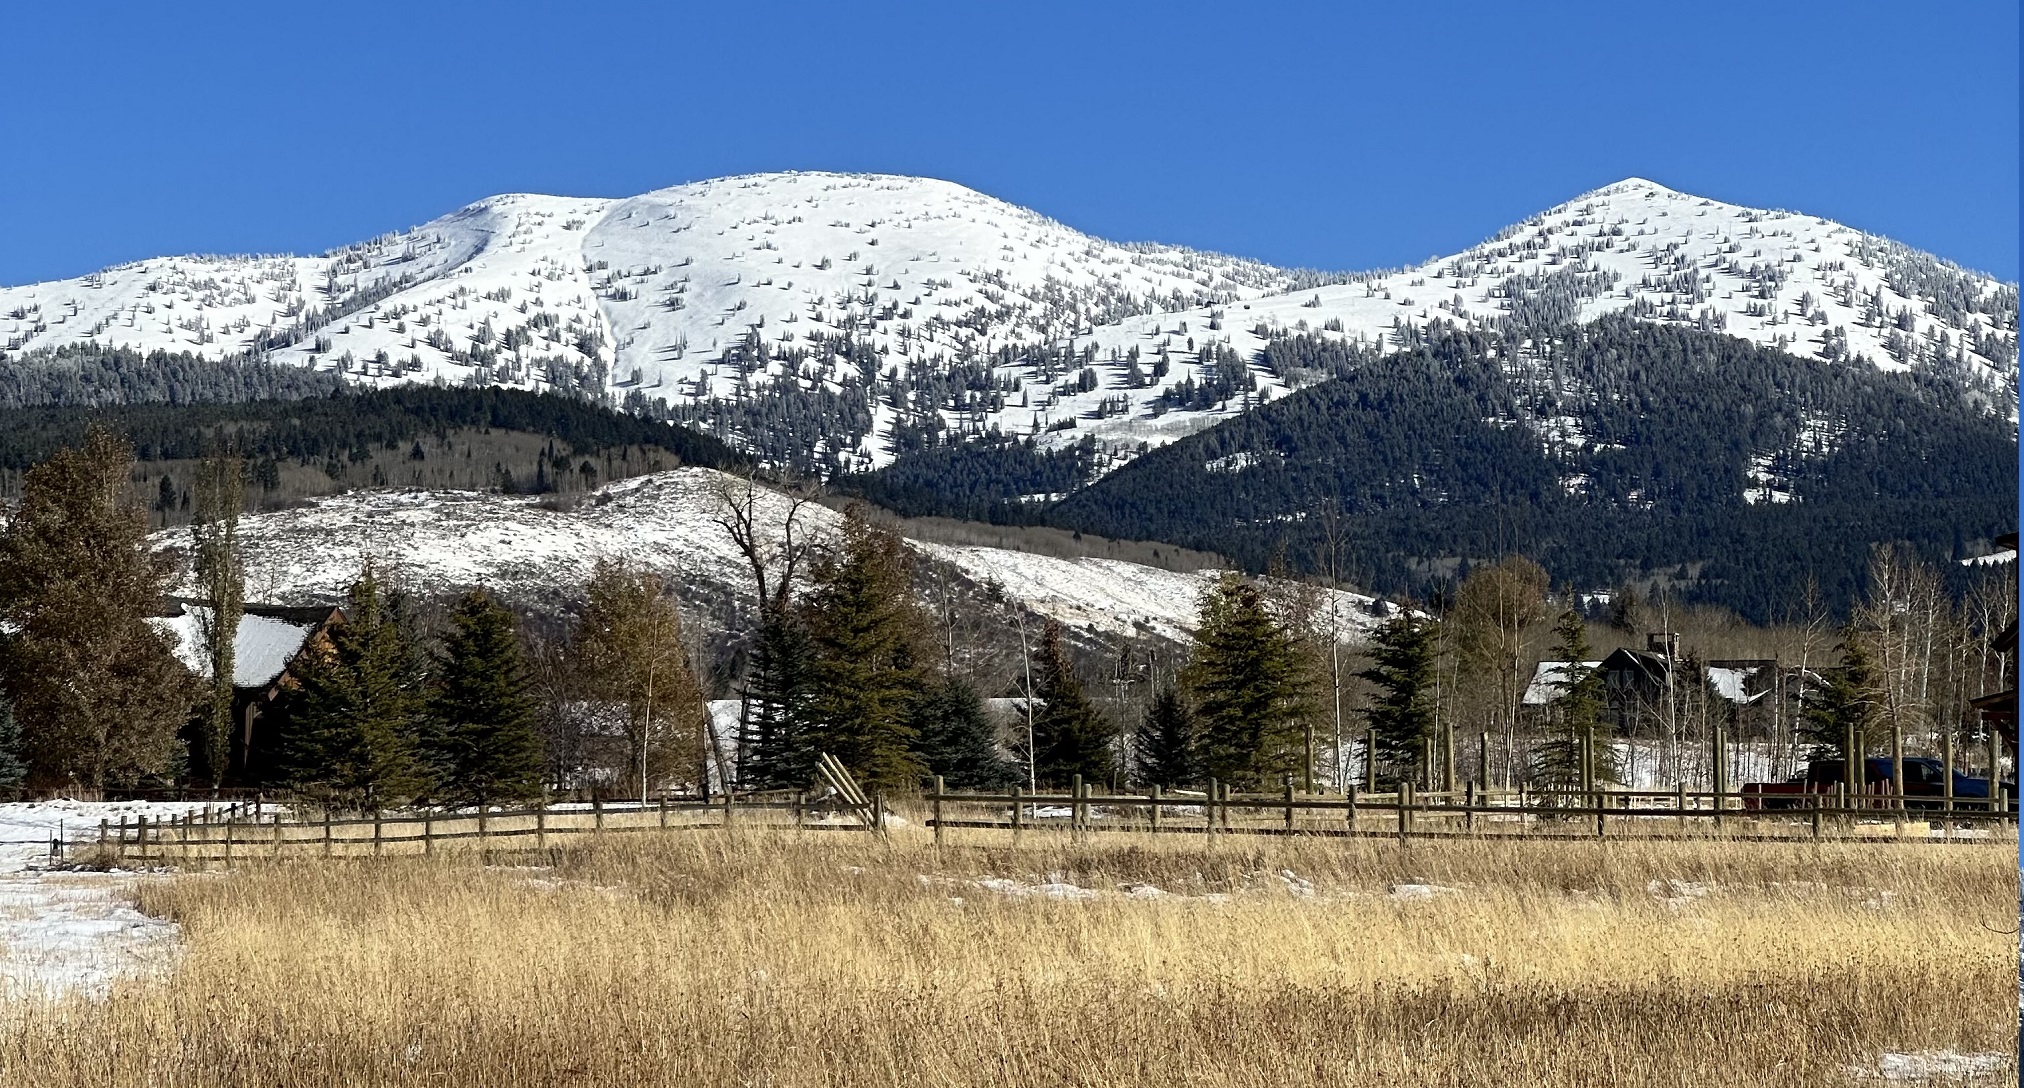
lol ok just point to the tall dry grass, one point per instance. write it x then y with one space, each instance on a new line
779 959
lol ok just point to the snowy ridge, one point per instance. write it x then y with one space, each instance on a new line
919 303
515 545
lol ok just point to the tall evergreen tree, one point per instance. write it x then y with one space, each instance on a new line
1845 702
349 729
1069 737
1579 708
1401 711
99 692
485 745
779 752
1248 689
214 530
955 738
1164 745
868 637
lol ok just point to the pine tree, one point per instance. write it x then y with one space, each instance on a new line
779 752
349 729
485 748
955 738
1069 737
1247 688
98 690
1164 745
868 639
1558 762
1845 702
1402 710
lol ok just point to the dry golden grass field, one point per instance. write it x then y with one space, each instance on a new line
781 958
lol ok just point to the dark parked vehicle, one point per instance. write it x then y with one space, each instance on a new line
1925 785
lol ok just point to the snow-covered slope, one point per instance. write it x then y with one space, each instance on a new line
840 316
521 547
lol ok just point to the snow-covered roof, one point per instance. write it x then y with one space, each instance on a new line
1549 680
1733 683
262 648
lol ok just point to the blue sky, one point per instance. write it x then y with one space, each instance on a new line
1329 134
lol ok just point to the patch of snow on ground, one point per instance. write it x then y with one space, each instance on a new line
1937 1066
71 932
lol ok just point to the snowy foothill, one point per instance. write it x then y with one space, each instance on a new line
522 546
64 931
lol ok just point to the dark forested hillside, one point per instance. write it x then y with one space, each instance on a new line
95 375
1612 452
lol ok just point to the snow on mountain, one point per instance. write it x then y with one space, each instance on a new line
530 550
839 318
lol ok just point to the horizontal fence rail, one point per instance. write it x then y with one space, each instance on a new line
260 828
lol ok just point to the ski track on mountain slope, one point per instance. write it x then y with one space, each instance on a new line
644 295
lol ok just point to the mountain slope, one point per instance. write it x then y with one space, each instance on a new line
539 554
835 322
1613 452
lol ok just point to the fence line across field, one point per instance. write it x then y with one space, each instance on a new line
249 831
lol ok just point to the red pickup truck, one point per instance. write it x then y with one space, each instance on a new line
1925 784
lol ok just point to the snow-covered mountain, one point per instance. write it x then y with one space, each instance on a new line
530 550
847 317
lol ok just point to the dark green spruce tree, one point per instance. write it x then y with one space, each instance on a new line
955 738
483 744
1843 706
1164 745
779 752
1247 688
1069 737
866 633
1578 712
348 731
1401 710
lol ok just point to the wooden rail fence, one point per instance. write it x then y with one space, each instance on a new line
255 829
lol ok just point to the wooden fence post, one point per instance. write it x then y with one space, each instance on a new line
729 797
1370 762
428 833
1405 808
937 814
1813 802
326 831
1018 812
101 835
230 819
141 835
664 810
1289 804
1075 809
800 808
1209 808
596 813
484 830
1483 756
1469 806
1154 795
277 833
1349 809
541 823
378 831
